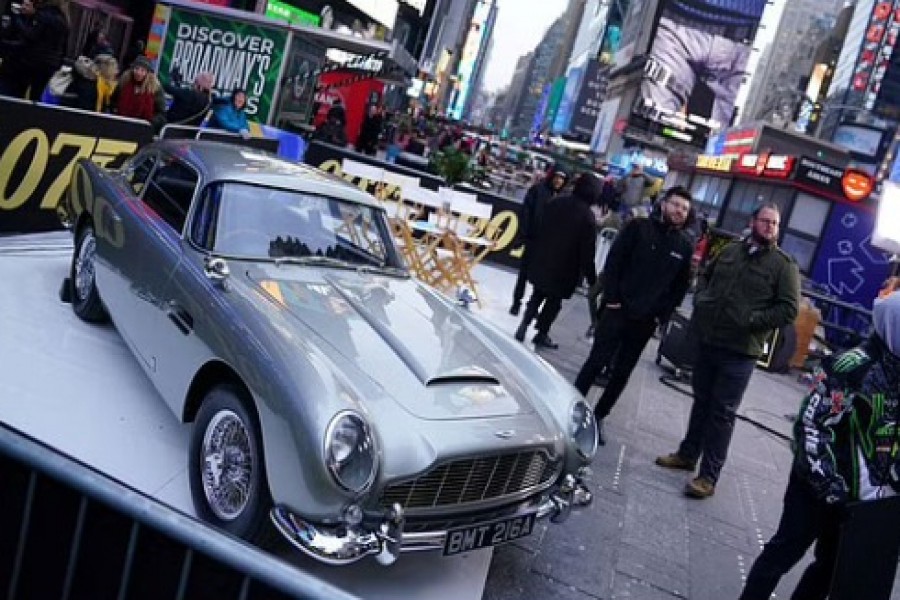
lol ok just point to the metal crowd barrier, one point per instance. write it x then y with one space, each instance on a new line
70 532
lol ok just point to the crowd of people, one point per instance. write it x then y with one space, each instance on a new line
847 436
33 45
847 433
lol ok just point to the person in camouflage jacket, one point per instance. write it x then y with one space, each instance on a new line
846 448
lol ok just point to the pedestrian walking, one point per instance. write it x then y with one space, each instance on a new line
563 254
751 288
845 450
370 131
646 276
530 217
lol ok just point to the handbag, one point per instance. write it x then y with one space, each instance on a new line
60 81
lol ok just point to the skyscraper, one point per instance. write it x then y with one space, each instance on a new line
778 83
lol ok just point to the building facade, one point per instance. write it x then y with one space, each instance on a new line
779 83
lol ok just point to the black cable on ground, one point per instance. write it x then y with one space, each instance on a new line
671 381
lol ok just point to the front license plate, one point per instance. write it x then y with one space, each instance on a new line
465 539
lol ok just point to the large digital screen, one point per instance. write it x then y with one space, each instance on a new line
695 66
479 31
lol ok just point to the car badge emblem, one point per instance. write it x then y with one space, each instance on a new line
505 434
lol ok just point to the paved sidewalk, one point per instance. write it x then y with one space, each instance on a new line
642 539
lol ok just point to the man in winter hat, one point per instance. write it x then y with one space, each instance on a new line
562 254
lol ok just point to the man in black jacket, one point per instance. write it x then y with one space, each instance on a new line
529 224
749 289
562 253
189 104
646 276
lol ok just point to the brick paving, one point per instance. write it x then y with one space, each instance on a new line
642 539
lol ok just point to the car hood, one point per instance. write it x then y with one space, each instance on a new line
423 350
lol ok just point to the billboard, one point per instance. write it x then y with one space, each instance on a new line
241 54
877 50
567 104
696 65
479 33
590 99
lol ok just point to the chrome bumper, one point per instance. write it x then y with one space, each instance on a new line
345 544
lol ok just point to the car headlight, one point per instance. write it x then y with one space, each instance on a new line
583 429
350 452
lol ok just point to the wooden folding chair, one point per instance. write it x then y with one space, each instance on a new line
474 230
395 190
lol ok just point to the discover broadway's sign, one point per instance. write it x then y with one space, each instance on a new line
241 55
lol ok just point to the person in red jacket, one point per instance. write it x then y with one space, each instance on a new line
139 94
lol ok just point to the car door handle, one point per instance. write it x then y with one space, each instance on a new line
180 317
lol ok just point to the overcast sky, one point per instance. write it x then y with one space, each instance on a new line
520 26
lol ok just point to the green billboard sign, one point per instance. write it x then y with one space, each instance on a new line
276 9
241 55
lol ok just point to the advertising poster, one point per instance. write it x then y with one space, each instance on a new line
479 32
567 104
696 64
242 55
39 146
590 99
846 261
298 85
354 90
603 127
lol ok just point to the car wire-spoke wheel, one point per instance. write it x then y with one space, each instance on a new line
82 280
84 266
227 463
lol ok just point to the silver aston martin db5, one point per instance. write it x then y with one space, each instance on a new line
335 399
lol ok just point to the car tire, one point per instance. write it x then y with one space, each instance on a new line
85 297
229 488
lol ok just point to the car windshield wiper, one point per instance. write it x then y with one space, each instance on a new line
328 261
319 261
382 268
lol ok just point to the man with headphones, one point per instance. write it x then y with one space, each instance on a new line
645 277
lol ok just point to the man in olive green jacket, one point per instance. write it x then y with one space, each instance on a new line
751 288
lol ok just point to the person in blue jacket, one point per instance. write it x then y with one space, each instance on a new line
230 115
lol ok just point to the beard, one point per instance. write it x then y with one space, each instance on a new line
760 240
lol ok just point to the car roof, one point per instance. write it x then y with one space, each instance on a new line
219 161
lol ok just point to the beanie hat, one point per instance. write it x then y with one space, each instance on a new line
142 61
886 318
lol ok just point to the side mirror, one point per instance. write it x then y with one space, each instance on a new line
216 270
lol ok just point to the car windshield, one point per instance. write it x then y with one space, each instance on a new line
268 223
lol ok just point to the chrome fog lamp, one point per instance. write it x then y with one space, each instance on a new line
350 452
583 429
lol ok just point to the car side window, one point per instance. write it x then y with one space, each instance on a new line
138 171
169 192
203 229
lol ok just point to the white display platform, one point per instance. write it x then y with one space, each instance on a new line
78 388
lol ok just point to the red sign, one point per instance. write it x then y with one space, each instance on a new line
857 185
766 165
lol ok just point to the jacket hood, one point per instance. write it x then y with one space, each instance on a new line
588 188
85 67
886 318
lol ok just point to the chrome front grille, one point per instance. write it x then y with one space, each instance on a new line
474 480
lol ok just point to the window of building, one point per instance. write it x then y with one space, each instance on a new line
809 214
746 196
802 249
